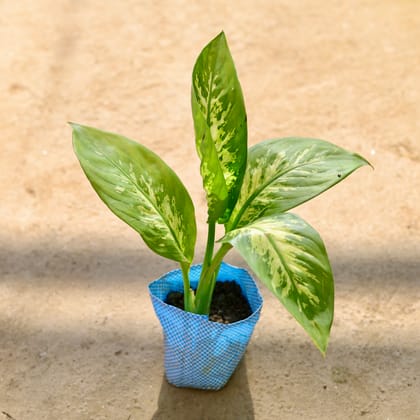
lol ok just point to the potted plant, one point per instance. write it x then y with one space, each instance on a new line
250 193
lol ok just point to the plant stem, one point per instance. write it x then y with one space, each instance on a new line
208 280
218 258
189 305
211 233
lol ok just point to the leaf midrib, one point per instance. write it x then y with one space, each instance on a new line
209 96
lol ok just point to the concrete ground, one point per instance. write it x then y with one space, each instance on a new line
78 336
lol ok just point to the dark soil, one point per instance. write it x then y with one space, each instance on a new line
228 304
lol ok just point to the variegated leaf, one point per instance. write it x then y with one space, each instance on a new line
283 173
289 257
220 127
140 189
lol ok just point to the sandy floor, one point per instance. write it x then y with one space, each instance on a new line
78 338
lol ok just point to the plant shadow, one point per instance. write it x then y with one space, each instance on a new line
232 401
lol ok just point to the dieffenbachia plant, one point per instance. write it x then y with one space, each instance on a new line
248 191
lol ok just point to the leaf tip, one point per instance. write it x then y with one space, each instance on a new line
74 126
323 350
220 37
365 161
321 345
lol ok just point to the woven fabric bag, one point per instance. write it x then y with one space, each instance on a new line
200 353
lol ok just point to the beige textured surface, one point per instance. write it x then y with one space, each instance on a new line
78 338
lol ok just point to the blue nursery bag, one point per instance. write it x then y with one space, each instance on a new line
200 353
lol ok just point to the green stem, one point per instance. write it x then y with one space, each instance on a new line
211 234
208 280
189 305
218 258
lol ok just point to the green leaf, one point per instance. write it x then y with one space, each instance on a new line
289 257
283 173
220 127
140 189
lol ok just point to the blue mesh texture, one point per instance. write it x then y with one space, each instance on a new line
200 353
